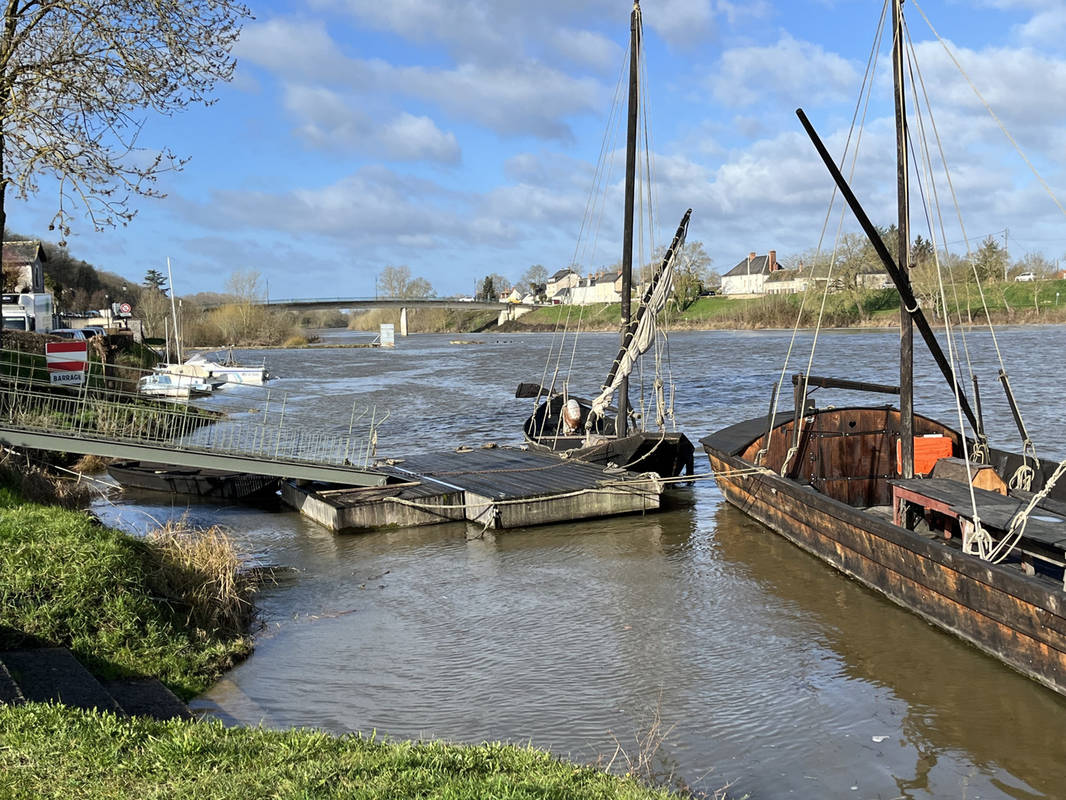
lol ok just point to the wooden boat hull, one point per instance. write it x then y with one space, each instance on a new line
1018 619
205 483
667 454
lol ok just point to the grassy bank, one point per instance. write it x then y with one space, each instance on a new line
1007 304
51 752
425 320
172 606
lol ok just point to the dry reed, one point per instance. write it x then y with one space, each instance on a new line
200 572
35 484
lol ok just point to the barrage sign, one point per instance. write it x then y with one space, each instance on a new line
66 362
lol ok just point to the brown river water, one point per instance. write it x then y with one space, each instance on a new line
768 669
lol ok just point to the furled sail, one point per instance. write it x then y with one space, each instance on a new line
642 332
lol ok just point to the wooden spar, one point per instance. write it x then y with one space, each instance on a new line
837 383
622 425
903 284
642 309
906 327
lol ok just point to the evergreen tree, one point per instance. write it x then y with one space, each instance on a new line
155 280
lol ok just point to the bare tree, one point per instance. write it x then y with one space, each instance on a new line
535 279
397 282
77 78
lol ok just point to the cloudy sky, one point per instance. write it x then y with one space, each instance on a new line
460 137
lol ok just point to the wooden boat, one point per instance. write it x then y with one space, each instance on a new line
593 430
907 505
205 483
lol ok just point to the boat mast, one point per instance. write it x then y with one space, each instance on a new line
622 425
906 329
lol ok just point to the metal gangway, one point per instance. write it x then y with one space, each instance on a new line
107 416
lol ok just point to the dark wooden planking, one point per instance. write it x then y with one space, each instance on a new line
999 611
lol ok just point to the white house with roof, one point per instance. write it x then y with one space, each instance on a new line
24 267
562 280
750 275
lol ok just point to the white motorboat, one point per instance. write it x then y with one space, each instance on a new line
225 371
164 384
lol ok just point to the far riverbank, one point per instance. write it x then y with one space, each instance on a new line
1041 302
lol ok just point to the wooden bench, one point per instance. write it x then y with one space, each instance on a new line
1044 536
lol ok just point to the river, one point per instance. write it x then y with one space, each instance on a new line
767 669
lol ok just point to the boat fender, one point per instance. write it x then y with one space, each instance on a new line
571 415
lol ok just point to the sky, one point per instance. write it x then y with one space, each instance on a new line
461 137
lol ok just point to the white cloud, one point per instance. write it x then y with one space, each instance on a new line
294 48
790 71
513 97
334 122
587 47
682 22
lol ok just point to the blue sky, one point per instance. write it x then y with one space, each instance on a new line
459 137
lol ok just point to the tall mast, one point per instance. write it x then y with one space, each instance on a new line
906 329
622 426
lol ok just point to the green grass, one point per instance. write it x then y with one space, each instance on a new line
1010 302
51 752
67 581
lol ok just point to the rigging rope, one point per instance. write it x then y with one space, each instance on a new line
865 91
988 108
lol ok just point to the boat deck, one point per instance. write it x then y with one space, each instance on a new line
1044 535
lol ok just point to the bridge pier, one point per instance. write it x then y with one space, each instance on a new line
512 311
403 321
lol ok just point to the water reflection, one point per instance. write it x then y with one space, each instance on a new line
960 712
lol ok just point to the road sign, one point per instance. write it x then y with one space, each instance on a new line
66 362
125 308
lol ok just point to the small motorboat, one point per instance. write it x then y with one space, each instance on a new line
165 384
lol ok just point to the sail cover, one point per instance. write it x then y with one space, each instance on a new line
643 335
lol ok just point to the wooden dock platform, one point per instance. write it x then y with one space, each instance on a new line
497 487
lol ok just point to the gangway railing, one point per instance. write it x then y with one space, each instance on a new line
104 418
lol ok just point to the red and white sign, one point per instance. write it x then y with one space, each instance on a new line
66 362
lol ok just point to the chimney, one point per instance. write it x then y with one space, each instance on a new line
751 257
773 260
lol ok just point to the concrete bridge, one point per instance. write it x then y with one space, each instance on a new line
508 311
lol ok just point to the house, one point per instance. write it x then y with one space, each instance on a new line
561 280
603 287
24 267
750 275
790 281
512 296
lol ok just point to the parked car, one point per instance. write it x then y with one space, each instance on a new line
70 333
1026 276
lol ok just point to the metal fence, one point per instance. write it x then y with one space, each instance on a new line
107 407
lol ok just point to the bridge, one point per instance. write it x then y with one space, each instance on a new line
107 417
508 311
364 303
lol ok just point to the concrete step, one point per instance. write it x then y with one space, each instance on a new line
147 697
53 673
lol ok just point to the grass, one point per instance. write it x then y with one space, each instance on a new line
1007 303
51 752
125 607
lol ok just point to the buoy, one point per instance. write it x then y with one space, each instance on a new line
571 415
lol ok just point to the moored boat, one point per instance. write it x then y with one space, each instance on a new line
970 537
164 384
593 430
206 483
